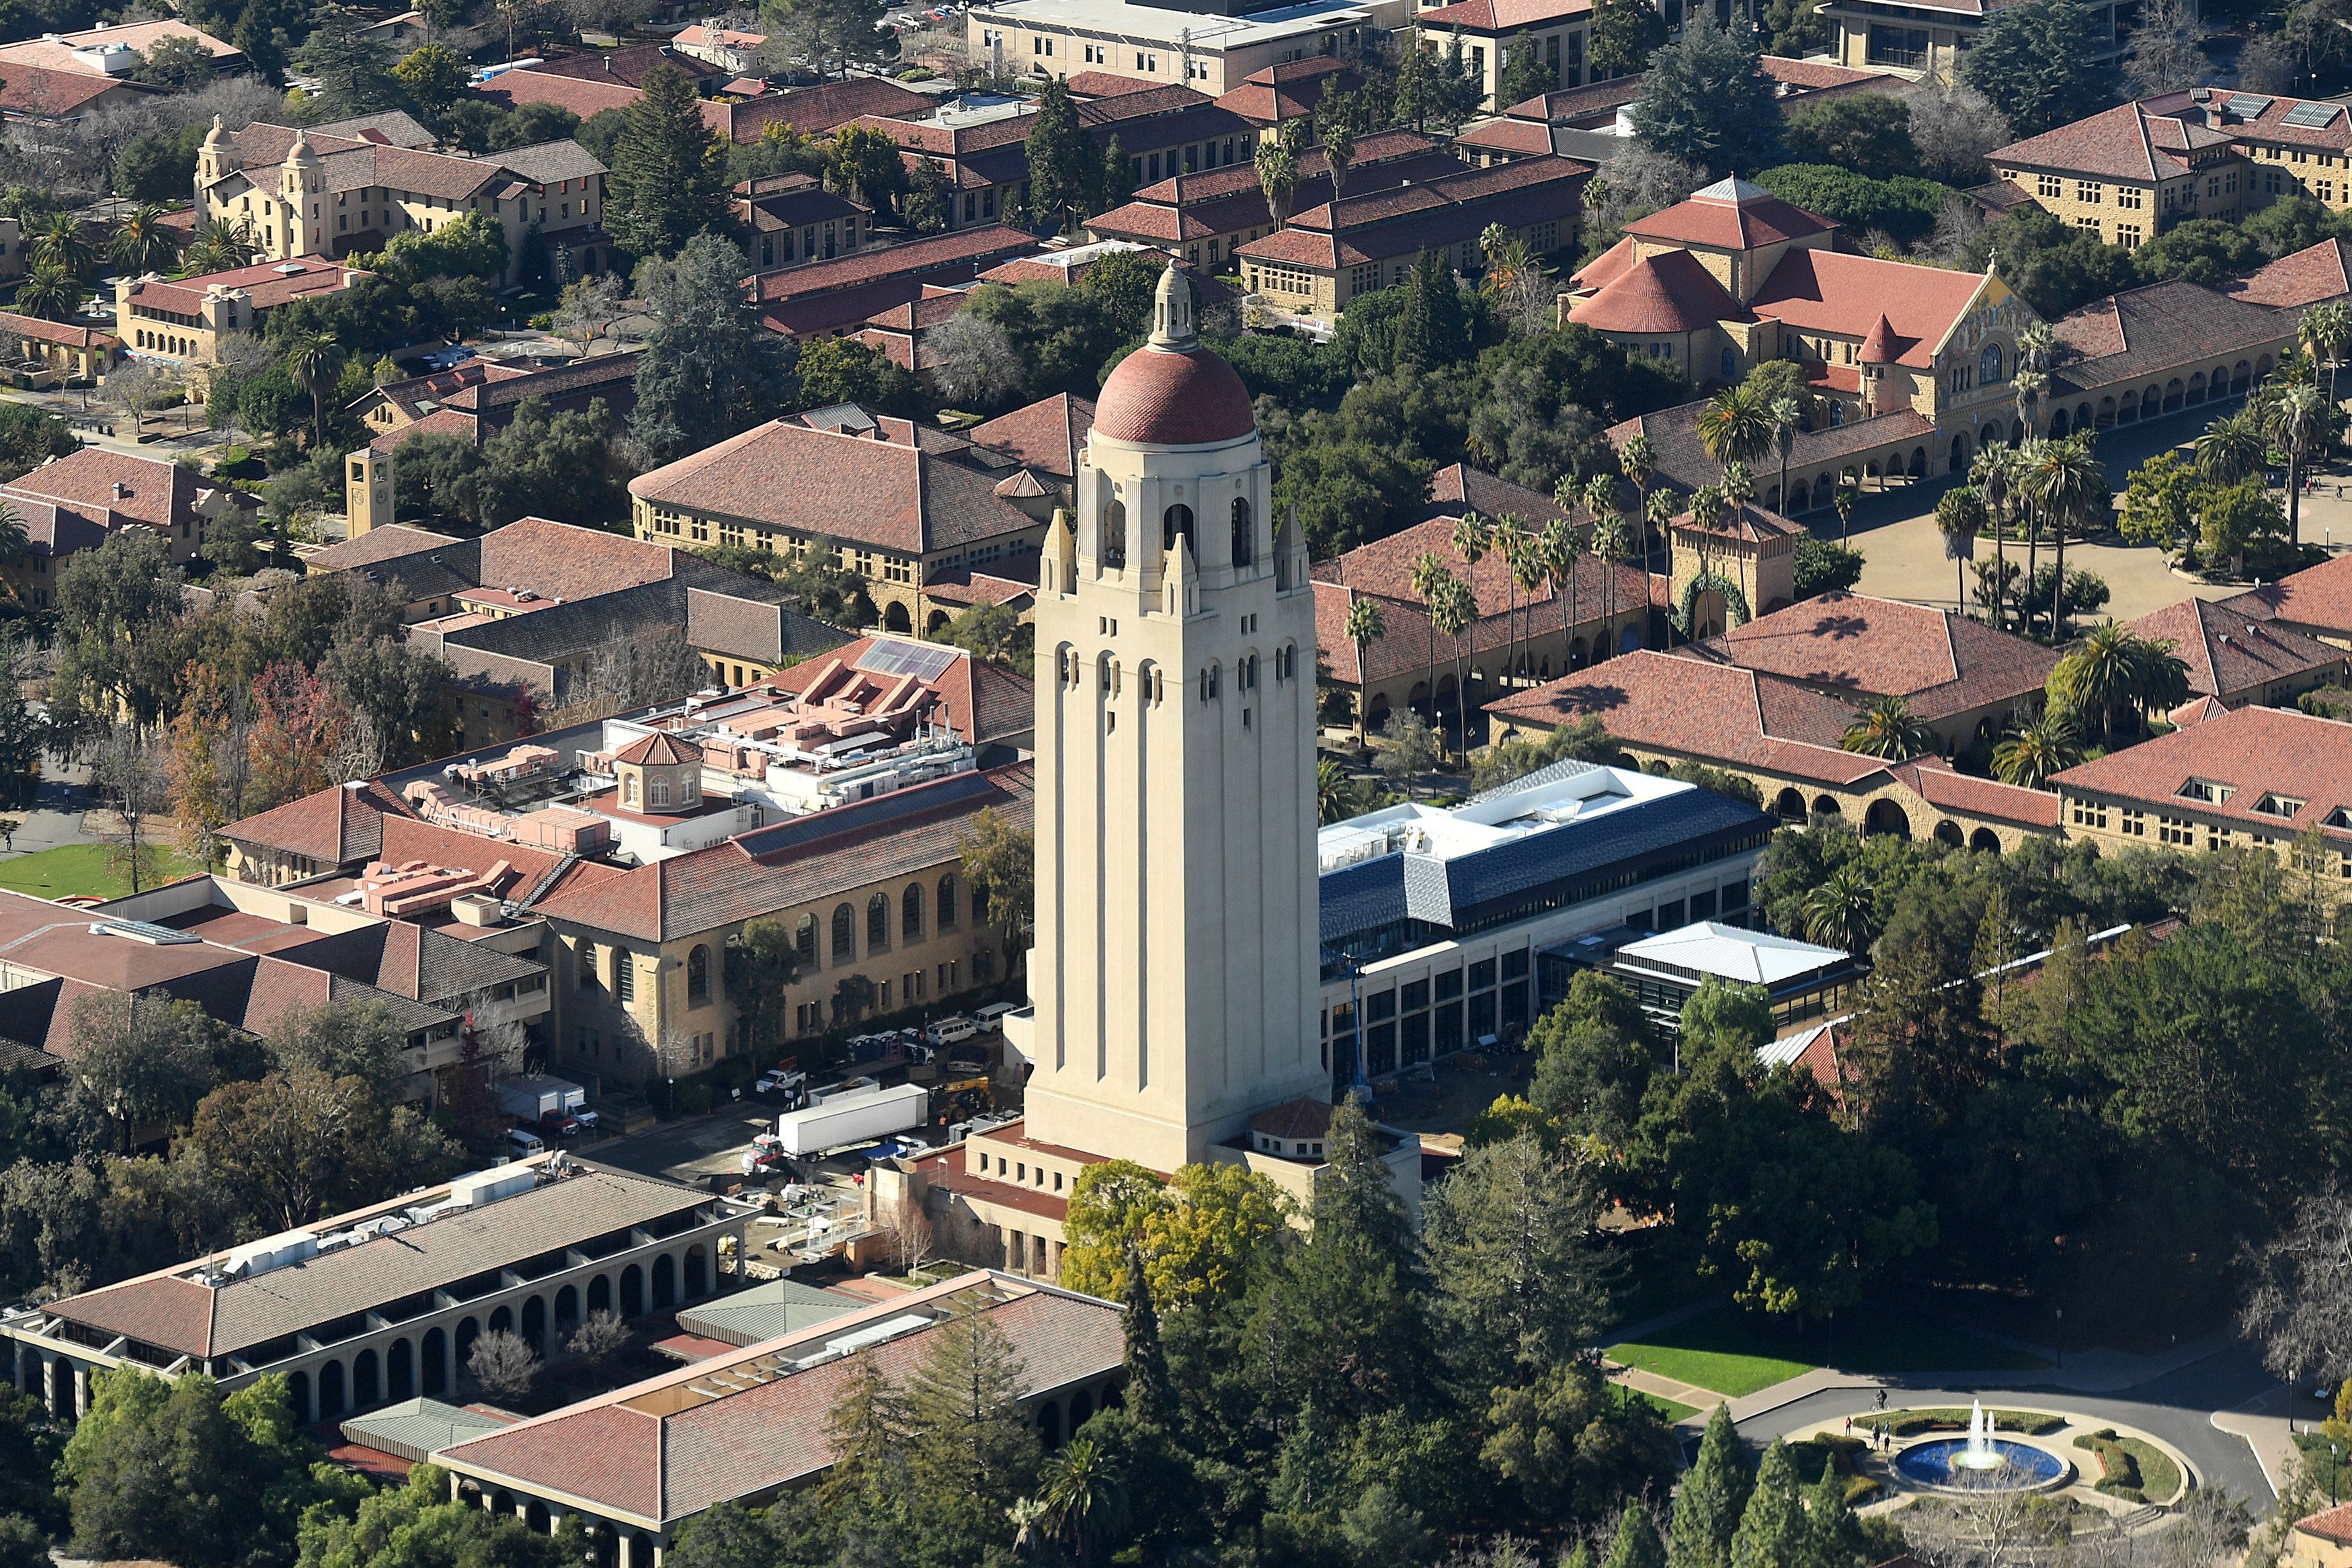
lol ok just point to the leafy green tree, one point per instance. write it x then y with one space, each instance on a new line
1867 132
1713 1497
30 1443
1626 34
2204 251
1000 861
157 167
927 205
667 183
1573 1450
2161 503
299 1144
1834 1537
1525 75
1887 728
177 65
1063 167
863 162
842 369
1594 1059
2039 63
1707 100
1772 1531
22 1543
1823 566
144 1059
347 1040
420 1526
763 965
433 77
1906 206
710 370
1519 1286
1720 1015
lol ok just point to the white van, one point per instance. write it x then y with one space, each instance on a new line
951 1031
523 1141
991 1016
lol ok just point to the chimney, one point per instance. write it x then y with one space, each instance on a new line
608 65
119 491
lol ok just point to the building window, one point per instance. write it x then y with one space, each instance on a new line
697 978
804 940
2130 198
844 947
877 924
625 976
2090 191
2128 235
910 913
2049 187
947 902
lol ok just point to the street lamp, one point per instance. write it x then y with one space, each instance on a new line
2334 1452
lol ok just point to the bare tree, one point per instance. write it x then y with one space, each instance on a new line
598 1339
2299 1304
1954 126
2164 56
906 1229
1992 1530
2211 1528
1639 181
138 787
971 361
140 387
2267 65
501 1043
652 668
503 1363
591 307
1957 223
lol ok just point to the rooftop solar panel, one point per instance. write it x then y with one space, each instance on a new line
2248 105
924 660
2311 116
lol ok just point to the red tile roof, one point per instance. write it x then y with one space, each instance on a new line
1731 215
1943 663
979 701
1047 435
1411 219
1174 397
1935 782
270 283
2322 271
71 334
2232 655
1495 16
36 92
2333 1524
2126 142
2318 596
1103 84
829 106
1830 291
1667 293
1291 88
827 295
2254 752
119 488
675 1445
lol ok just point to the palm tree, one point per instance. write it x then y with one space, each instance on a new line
1844 501
2293 420
2067 477
2030 757
1959 518
1334 800
65 242
1612 542
1737 426
2028 386
49 292
1512 543
2036 344
1988 471
2327 329
1886 728
1452 613
1658 510
218 247
1278 177
1557 547
312 359
1638 460
143 244
2232 448
1365 626
1787 416
1842 911
1083 1501
1427 567
1738 489
2099 678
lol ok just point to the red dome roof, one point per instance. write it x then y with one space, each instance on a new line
1169 397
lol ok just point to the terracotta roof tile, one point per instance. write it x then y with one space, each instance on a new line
1667 293
1942 662
1936 782
2157 328
1731 215
2332 1524
1291 88
2319 597
2255 751
1830 291
2232 655
1495 16
2322 271
1046 435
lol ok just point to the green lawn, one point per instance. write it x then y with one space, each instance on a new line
1735 1353
83 871
1668 1411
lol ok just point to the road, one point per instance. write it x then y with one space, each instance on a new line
2176 1406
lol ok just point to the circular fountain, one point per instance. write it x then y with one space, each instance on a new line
1980 1462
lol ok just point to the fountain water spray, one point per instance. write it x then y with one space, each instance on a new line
1979 1455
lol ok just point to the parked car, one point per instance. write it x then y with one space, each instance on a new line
951 1031
991 1016
560 1124
522 1141
777 1081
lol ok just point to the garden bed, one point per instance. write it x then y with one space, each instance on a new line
2132 1468
1914 1423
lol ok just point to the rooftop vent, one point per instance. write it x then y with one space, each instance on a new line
145 931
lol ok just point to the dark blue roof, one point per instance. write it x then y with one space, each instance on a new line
867 815
1449 893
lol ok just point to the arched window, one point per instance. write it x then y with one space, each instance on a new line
877 924
1114 536
804 940
979 902
845 947
1988 366
628 788
1731 364
910 913
697 978
947 902
1244 532
688 786
1837 412
1174 523
657 790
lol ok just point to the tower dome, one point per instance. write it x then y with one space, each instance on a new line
217 138
302 154
1172 391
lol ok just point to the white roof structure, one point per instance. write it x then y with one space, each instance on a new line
1728 953
1561 794
1204 31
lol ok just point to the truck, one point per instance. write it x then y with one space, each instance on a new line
839 1121
539 1101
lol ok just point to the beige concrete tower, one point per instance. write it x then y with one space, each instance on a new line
1175 975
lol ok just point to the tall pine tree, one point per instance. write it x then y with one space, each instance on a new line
1063 167
668 181
1713 1497
970 1451
1636 1544
1833 1535
1147 1364
1772 1531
